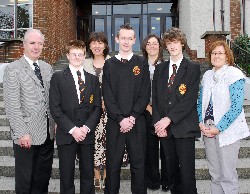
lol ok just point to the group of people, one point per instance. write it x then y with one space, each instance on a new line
108 109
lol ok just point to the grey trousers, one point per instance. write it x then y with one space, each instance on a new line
222 162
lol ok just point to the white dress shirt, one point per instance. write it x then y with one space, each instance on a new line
75 76
178 63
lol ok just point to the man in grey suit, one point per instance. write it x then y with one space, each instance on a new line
26 96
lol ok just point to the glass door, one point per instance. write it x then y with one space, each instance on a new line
135 21
159 23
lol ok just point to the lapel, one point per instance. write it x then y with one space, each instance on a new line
30 71
180 73
67 75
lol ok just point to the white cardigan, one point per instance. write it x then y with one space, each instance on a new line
217 83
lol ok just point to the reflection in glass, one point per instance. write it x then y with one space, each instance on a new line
110 37
145 26
24 1
99 25
7 17
127 9
169 22
98 9
118 23
24 16
6 34
135 23
5 2
159 7
20 33
156 26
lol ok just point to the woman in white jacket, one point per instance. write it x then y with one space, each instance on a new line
222 119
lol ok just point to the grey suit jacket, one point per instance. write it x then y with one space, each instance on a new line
27 102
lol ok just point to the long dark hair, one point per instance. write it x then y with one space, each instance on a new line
144 44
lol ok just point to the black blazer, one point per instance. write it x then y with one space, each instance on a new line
65 107
179 104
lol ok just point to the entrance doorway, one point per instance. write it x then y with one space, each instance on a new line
144 16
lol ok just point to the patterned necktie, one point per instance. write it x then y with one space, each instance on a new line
81 86
124 60
38 73
171 79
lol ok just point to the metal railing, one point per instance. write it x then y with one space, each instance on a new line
241 57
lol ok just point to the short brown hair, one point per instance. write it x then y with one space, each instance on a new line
76 44
126 27
99 37
228 52
144 44
175 34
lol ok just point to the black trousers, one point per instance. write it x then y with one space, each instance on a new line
33 167
153 176
180 162
135 142
67 155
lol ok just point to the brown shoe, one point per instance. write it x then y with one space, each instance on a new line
98 184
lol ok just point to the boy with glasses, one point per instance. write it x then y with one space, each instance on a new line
75 104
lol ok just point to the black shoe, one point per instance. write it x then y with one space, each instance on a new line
165 188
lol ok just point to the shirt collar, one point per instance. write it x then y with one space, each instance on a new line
178 63
73 71
30 61
118 56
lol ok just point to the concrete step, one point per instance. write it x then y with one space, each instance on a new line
203 186
6 145
6 149
4 121
7 169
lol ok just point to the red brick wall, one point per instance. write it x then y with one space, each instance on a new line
235 18
57 21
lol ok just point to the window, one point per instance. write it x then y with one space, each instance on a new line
16 17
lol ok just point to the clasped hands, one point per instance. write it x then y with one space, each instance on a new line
127 124
80 133
210 131
25 141
161 127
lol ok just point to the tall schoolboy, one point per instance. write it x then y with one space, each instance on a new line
126 92
175 118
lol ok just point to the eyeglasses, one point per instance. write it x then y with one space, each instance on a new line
77 54
152 44
219 54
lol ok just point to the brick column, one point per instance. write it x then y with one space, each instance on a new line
212 36
235 18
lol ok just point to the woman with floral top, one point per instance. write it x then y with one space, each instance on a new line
98 53
222 119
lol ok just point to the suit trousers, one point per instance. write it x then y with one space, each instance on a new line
153 176
180 162
135 142
222 163
67 155
33 167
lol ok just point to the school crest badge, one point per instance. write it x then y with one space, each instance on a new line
91 99
136 70
182 89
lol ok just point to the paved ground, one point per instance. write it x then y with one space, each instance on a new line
7 184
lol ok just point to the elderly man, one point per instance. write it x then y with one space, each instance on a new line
26 95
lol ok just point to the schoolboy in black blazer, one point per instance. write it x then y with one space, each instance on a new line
175 91
75 104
